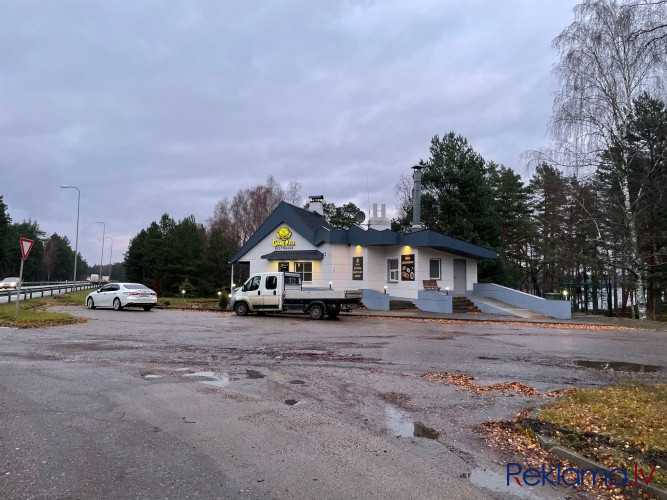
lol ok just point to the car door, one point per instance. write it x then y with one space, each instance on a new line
101 298
270 296
253 291
106 295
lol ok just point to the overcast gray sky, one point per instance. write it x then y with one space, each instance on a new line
160 106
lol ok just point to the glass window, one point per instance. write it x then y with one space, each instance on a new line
392 270
434 269
253 284
306 270
283 267
271 282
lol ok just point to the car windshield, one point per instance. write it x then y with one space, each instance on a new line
134 286
10 280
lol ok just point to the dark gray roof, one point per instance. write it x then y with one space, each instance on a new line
294 255
315 229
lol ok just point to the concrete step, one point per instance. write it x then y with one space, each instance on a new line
461 304
397 304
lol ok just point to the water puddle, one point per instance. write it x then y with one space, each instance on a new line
210 378
498 483
182 369
149 376
291 402
401 425
618 366
209 375
221 381
297 382
253 374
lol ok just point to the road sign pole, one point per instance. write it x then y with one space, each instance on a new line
18 293
26 246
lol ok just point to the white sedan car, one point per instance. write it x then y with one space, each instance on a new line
119 295
11 283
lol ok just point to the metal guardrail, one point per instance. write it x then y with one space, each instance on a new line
28 290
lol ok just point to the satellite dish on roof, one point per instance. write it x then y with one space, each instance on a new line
360 217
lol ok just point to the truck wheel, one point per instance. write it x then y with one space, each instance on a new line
316 311
241 308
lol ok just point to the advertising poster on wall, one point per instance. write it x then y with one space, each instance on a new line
357 268
408 267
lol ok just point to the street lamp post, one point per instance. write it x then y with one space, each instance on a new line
76 245
110 255
104 228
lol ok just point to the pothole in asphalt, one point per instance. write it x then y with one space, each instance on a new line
617 366
254 374
297 382
291 402
498 483
488 358
401 425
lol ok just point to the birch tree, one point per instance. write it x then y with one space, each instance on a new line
609 55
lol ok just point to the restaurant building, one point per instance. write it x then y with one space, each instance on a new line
383 263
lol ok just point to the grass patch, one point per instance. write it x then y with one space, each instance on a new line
615 426
32 312
204 303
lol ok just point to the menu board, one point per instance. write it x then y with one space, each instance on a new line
357 268
408 267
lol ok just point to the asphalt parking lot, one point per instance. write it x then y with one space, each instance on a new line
178 404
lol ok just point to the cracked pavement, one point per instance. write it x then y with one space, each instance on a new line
174 404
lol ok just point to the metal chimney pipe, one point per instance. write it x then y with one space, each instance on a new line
417 198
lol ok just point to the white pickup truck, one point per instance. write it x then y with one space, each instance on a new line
282 291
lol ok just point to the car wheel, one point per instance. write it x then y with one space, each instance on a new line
316 311
116 304
90 304
241 308
147 308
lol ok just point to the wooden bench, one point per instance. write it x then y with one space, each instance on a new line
431 285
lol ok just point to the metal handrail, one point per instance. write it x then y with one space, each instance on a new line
28 289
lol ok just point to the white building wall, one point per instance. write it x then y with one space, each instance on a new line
337 265
321 269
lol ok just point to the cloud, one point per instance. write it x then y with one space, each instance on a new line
152 107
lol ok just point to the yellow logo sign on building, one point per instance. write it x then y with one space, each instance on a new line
283 235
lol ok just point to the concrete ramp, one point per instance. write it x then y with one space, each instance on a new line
495 306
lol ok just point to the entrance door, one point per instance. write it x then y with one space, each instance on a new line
459 276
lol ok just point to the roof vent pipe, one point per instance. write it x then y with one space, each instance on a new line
417 198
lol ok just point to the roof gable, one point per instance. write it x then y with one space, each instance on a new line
308 224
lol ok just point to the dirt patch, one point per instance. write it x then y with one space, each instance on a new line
395 398
466 382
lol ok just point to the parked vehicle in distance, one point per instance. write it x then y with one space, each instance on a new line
282 291
120 295
11 283
94 278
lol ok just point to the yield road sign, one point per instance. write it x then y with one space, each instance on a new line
26 246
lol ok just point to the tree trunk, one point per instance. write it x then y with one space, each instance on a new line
635 258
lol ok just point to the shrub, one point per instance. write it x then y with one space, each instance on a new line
223 301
